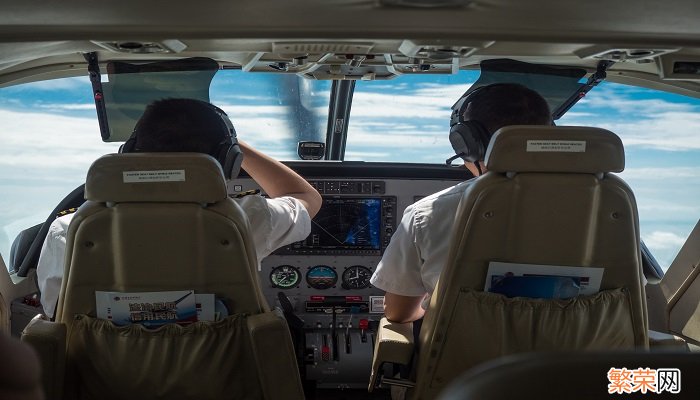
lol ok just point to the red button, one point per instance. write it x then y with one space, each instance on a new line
364 324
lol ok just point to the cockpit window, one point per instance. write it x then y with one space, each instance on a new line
49 134
662 149
406 119
49 137
271 111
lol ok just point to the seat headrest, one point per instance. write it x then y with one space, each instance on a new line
156 177
572 149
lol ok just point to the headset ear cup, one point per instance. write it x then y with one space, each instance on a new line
483 139
129 146
230 157
467 139
457 139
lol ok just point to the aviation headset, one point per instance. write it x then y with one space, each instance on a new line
228 153
469 138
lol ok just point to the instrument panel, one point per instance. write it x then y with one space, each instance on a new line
326 277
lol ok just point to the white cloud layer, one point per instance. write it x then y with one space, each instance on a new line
647 174
42 140
52 146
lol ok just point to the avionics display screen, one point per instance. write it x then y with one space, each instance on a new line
346 223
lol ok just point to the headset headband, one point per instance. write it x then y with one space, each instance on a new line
227 151
225 119
460 106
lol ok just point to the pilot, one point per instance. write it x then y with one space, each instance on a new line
187 125
417 253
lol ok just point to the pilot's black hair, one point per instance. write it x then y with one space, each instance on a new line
504 104
179 125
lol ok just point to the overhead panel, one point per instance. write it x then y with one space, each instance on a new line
679 67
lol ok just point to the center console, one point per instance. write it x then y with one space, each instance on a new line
324 280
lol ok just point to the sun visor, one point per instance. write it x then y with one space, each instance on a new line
555 84
130 87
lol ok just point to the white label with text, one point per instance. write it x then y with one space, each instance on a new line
165 175
558 146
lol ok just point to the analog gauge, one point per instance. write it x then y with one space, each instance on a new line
285 277
321 277
356 277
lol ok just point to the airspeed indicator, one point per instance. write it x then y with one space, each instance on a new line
285 277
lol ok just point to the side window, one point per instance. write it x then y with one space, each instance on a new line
49 134
48 138
662 151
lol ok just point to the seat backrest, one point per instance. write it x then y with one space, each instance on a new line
164 222
158 222
548 199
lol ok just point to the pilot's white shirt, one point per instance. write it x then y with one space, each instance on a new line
417 252
274 223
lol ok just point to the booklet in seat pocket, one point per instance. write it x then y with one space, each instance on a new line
150 309
538 287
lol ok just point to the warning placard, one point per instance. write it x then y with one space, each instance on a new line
165 175
563 146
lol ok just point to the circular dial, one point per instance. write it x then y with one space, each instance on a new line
321 277
356 277
285 276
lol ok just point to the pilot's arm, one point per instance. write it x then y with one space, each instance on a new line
278 180
399 274
49 270
401 309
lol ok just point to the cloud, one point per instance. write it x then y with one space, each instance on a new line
69 107
368 155
43 140
425 101
642 118
74 83
220 97
664 174
237 111
663 240
448 93
669 131
399 107
633 105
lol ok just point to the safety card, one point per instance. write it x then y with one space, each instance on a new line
542 281
150 309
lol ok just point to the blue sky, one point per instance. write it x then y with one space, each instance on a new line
49 137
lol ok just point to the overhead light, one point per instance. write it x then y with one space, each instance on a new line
425 3
638 54
143 47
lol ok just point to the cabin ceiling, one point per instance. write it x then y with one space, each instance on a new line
42 41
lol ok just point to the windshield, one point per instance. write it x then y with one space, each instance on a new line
662 157
273 112
50 135
405 120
